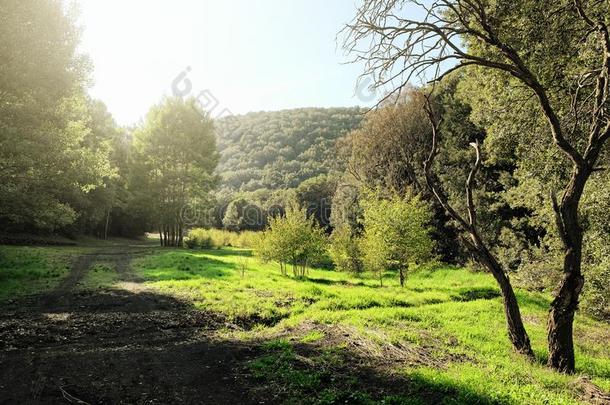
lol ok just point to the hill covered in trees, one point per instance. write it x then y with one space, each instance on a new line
281 149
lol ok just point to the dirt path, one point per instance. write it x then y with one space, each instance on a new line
115 346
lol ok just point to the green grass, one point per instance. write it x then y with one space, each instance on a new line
313 328
100 275
454 315
28 270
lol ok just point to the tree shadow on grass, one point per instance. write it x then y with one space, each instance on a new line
476 293
120 346
115 346
149 357
326 281
531 299
333 371
176 368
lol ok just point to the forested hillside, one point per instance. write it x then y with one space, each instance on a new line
281 149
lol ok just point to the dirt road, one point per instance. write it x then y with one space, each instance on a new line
124 345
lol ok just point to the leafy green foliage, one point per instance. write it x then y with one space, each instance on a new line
344 250
519 142
396 233
177 157
274 150
388 152
293 239
200 238
242 215
233 219
46 163
316 195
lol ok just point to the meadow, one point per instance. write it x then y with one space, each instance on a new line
452 316
334 337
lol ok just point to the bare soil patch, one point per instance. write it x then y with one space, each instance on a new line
115 346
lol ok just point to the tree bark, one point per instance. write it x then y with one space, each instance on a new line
441 37
107 223
180 235
561 319
516 330
565 304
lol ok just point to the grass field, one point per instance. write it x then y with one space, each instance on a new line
27 270
449 318
335 338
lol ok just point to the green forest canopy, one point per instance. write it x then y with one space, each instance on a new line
281 149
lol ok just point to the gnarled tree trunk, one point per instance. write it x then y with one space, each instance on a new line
429 42
474 243
514 323
565 304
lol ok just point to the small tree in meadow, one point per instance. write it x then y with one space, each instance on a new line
270 246
345 250
293 239
396 233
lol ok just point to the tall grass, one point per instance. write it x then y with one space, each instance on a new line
200 238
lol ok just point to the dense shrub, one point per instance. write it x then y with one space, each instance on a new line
596 292
396 233
344 250
198 239
295 240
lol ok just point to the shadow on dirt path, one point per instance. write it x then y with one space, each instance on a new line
115 345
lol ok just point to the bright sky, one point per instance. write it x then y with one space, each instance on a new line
251 55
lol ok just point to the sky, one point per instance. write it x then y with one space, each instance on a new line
236 56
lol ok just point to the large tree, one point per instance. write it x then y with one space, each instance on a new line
388 152
558 51
176 157
316 195
99 209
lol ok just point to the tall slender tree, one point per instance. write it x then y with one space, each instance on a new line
176 152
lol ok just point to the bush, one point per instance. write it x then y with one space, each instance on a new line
294 239
198 239
396 233
345 251
596 292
